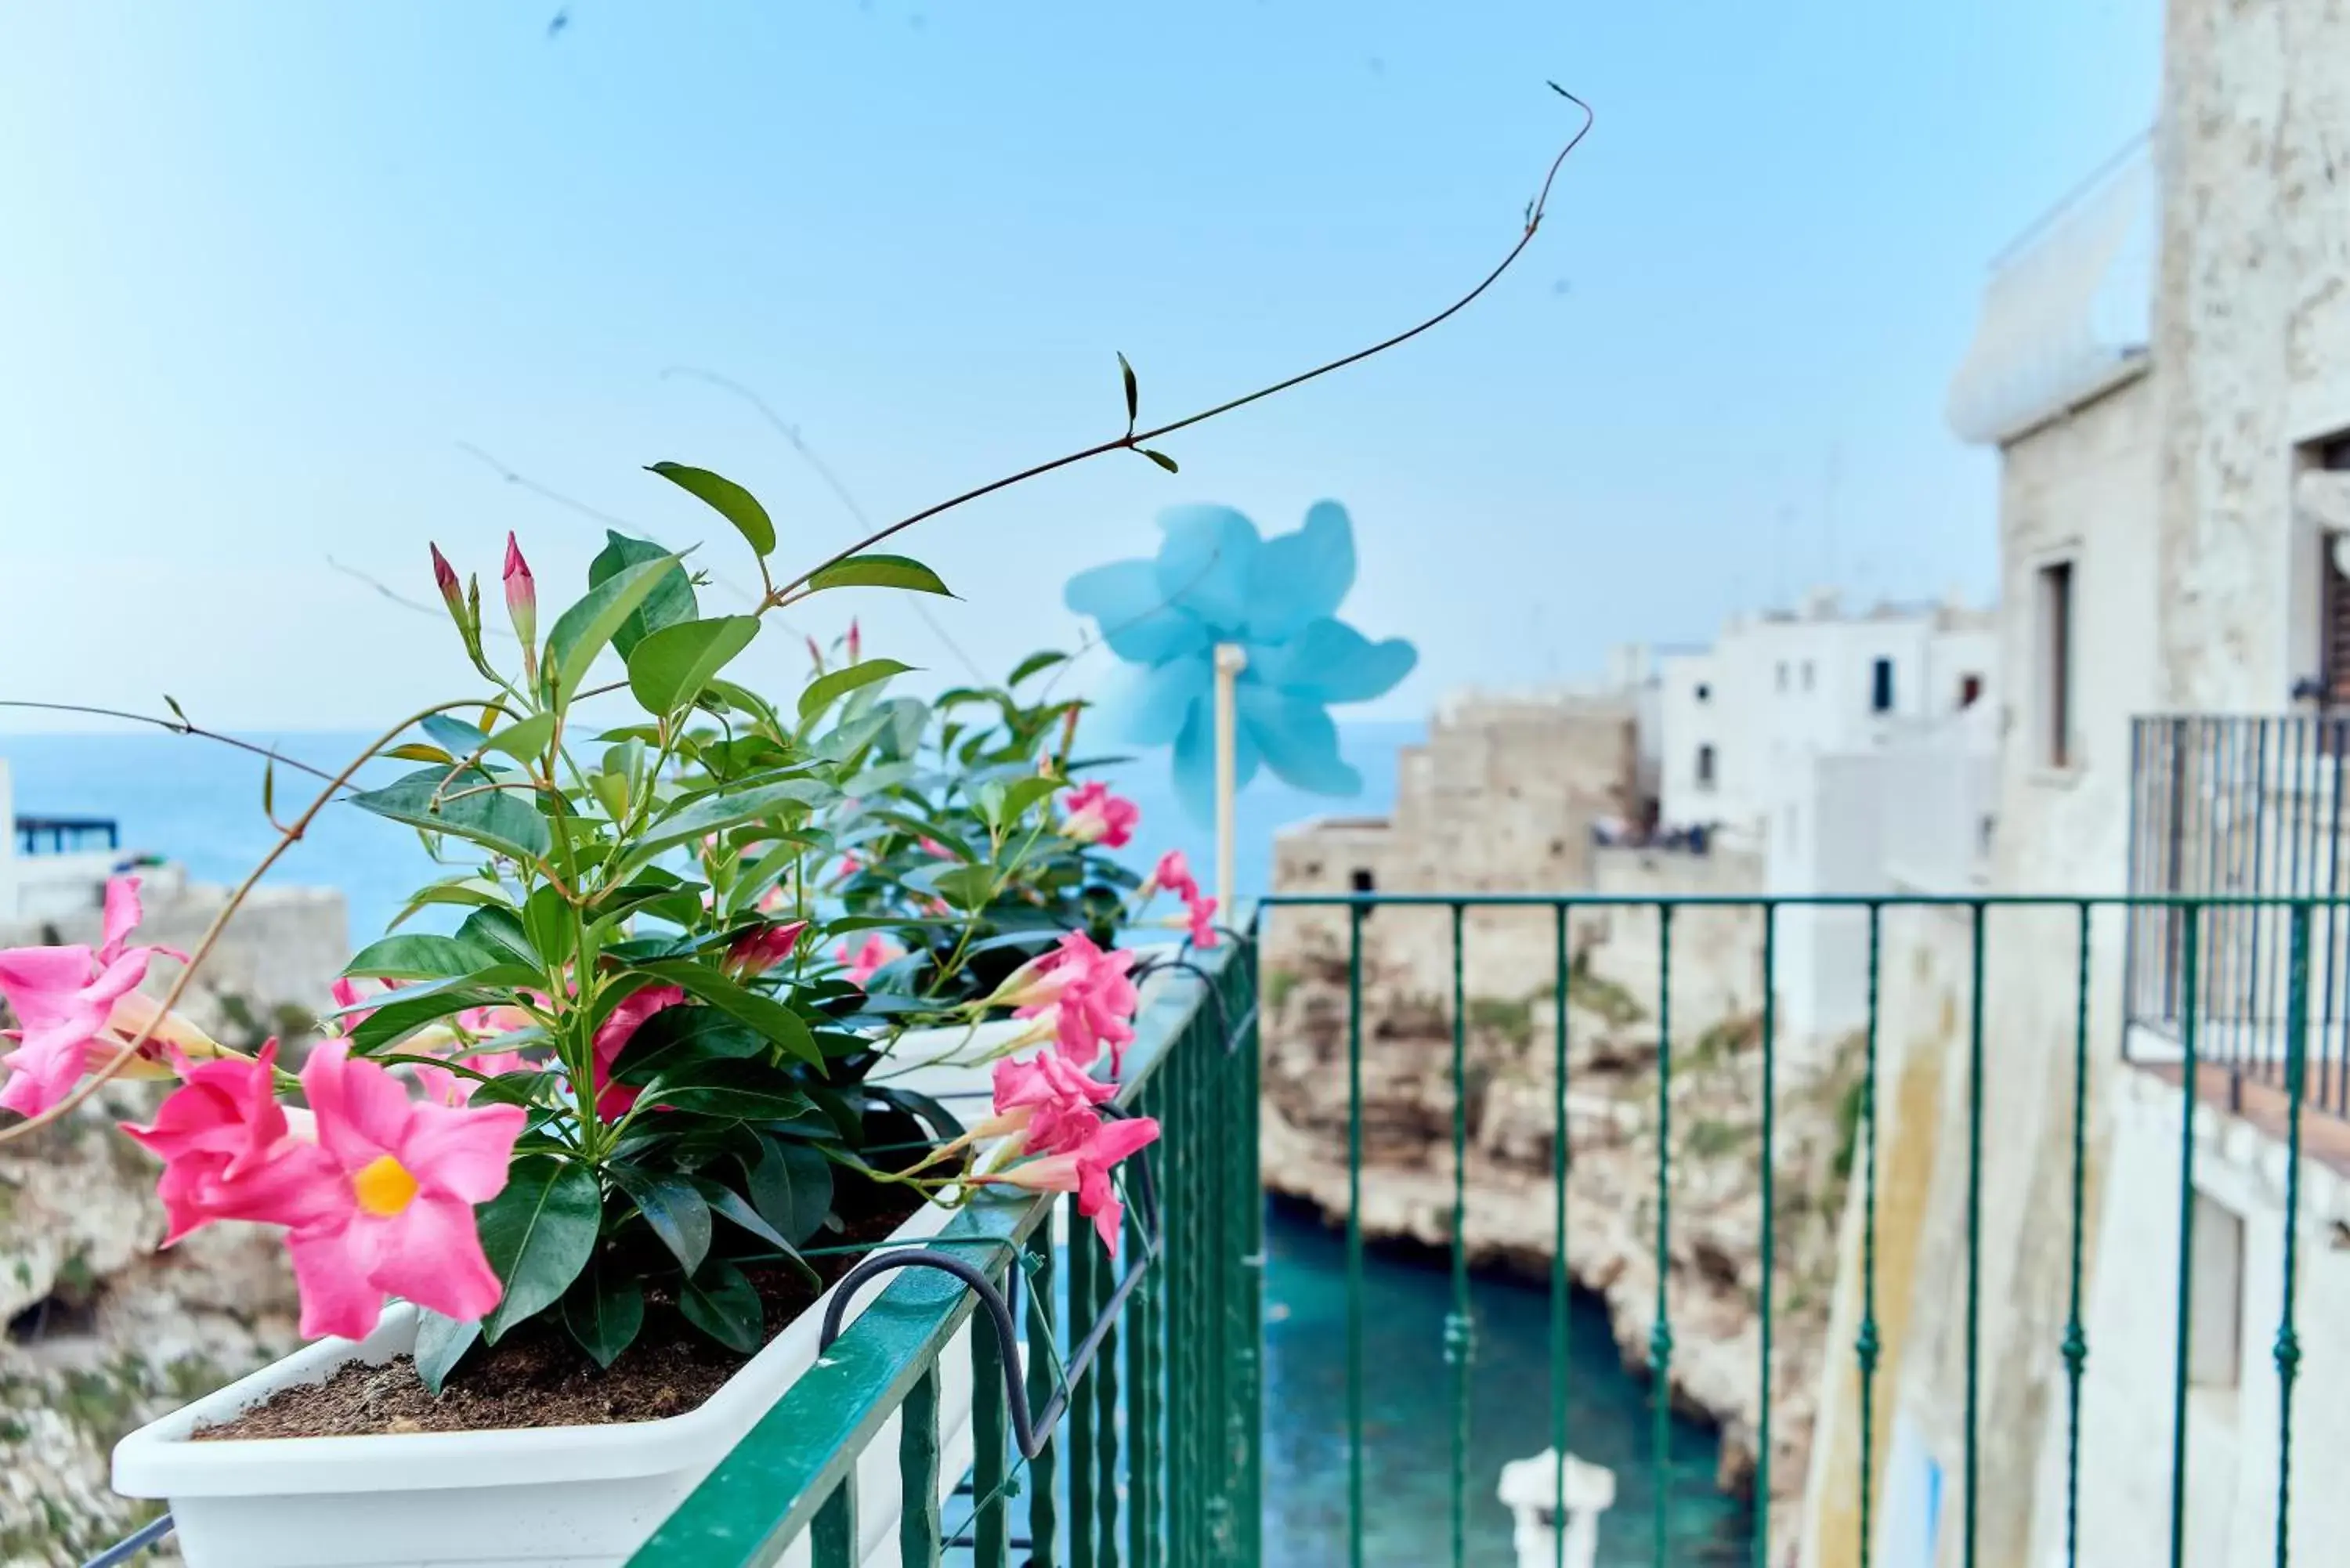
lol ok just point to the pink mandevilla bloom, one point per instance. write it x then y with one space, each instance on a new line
612 1035
1095 815
396 1212
1049 1099
765 948
1174 873
347 997
229 1152
1089 995
522 605
867 959
1202 912
76 1006
1084 1170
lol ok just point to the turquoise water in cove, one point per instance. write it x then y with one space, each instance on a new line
200 804
1410 1412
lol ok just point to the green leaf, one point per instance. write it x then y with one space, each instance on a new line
791 1186
538 1233
715 813
499 930
467 890
501 820
675 1036
720 1301
776 1022
418 752
669 668
582 632
671 602
413 1007
878 572
827 690
419 958
725 1201
455 736
177 711
1133 392
604 1309
738 1091
1161 459
728 499
967 888
672 1207
548 927
525 738
441 1343
1036 663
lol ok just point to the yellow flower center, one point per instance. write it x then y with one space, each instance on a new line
383 1186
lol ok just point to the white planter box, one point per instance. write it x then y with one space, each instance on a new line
555 1497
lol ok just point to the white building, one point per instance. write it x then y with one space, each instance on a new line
1855 753
2164 368
51 867
1736 717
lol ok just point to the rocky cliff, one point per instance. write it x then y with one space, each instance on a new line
1714 1263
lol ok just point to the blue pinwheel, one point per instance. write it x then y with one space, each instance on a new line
1215 581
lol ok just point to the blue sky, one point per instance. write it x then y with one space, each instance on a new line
265 269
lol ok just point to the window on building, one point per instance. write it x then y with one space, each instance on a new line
1704 693
2055 672
1807 675
2334 452
1880 687
2333 621
1705 767
1971 688
1362 880
1782 675
2215 1326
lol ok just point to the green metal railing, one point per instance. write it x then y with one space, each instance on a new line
1152 1458
2067 1357
1156 1459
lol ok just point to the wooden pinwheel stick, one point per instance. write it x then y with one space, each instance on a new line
1230 660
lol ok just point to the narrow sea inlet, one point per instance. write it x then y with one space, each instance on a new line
1408 1417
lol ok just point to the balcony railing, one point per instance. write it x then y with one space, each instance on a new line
2234 807
66 835
1156 1456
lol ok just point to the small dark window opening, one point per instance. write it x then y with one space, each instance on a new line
1363 882
2334 452
1704 693
1880 687
2056 664
1705 767
2334 650
1970 690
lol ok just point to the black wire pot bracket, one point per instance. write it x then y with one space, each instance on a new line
1030 1429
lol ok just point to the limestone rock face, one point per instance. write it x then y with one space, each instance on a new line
1713 1268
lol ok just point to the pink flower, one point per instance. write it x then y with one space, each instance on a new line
445 577
937 851
614 1034
1174 873
229 1152
1095 815
347 997
1203 915
855 642
765 948
76 1006
1088 993
522 606
446 1087
396 1210
866 960
1084 1170
1047 1097
773 899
